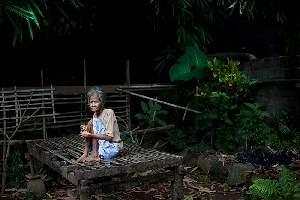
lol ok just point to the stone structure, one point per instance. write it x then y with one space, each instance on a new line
279 84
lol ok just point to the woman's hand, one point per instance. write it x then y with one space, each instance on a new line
85 134
83 127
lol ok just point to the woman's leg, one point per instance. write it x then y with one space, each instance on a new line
85 154
95 152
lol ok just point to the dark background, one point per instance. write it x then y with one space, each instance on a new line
118 31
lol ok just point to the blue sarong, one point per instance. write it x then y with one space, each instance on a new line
106 149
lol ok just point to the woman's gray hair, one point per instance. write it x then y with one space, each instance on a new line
96 91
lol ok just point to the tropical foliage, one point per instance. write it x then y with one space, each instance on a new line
26 17
285 187
151 114
230 118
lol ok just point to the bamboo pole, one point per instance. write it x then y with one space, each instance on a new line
85 88
31 108
21 105
84 76
4 147
26 90
40 94
53 109
159 101
43 110
16 106
128 96
28 117
81 108
148 86
127 72
155 129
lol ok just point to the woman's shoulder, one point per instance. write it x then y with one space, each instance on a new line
108 111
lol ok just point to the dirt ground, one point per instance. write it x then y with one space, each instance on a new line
193 189
199 182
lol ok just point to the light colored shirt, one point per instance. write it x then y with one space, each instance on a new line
106 124
111 125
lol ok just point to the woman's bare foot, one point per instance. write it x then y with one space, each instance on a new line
86 159
95 158
82 158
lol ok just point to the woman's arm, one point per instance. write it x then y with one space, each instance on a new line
86 134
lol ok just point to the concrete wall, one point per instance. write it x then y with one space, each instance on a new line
279 84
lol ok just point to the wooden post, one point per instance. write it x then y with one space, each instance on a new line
43 110
32 163
16 106
81 109
83 195
84 76
177 184
4 144
128 96
52 102
127 72
85 89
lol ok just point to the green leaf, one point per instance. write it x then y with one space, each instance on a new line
30 29
156 106
162 112
189 65
140 116
144 107
161 122
265 188
150 103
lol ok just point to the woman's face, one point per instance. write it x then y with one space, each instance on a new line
95 104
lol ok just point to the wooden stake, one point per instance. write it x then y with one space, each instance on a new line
4 147
127 73
16 106
52 102
84 76
128 96
43 111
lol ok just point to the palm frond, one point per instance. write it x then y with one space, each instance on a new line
30 29
29 13
19 10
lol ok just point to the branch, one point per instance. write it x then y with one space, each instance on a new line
159 101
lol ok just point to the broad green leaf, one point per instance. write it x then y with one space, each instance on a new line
189 65
144 107
150 103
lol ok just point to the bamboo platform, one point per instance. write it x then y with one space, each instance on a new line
135 165
31 109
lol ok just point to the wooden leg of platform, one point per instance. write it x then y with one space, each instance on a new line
83 195
32 163
177 184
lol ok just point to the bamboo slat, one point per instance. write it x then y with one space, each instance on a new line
26 90
25 105
27 95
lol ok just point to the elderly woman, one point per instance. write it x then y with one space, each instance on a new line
102 132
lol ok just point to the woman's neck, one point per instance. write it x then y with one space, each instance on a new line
98 112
